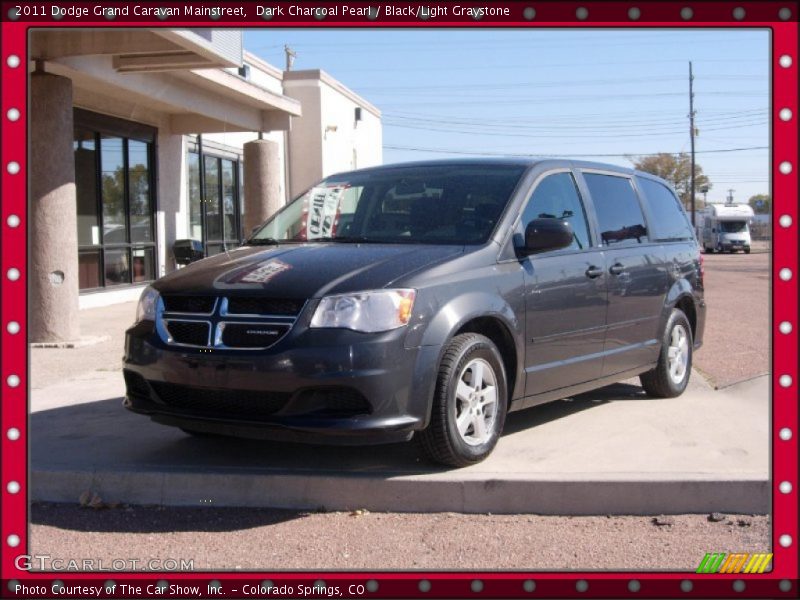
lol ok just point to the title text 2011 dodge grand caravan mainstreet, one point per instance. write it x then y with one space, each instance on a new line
426 298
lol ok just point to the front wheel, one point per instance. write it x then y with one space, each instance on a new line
469 404
671 375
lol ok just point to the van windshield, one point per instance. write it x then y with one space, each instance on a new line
449 204
732 226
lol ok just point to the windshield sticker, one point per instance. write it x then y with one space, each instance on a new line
322 211
264 271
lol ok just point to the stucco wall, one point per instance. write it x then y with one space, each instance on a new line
354 144
327 139
305 138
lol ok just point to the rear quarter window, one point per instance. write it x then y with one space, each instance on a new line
669 220
619 215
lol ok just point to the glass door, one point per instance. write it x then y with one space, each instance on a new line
115 201
214 201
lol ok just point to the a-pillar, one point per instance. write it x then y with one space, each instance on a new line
52 213
262 177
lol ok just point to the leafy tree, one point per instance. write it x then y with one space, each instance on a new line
677 169
761 204
114 201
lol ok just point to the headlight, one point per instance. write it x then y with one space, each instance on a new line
369 312
146 309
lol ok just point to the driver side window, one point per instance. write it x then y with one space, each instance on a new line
557 197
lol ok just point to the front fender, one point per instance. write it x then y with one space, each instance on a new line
448 318
457 311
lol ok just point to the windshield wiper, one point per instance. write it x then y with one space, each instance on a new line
262 242
345 239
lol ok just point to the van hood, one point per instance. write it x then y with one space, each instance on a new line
304 270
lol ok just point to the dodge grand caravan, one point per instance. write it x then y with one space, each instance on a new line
427 298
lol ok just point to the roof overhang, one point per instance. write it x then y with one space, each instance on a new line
190 101
137 50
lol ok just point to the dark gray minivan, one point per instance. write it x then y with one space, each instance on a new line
427 298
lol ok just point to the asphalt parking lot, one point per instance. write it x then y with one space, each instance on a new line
236 538
737 336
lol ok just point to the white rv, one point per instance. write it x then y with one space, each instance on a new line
725 227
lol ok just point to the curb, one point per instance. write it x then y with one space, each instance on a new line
647 494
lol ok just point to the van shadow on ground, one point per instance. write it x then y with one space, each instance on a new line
104 436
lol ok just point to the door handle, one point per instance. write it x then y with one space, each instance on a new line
593 272
616 269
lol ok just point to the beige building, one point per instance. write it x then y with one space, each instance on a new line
139 138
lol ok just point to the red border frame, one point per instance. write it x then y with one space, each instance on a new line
14 513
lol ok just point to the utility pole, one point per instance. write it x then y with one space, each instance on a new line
290 56
691 135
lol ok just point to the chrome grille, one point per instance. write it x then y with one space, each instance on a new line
230 323
251 335
247 305
203 305
189 333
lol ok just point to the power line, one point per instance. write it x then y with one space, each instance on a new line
518 45
643 117
557 134
571 98
512 154
514 37
515 66
542 84
596 126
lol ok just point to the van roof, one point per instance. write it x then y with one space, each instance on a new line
508 161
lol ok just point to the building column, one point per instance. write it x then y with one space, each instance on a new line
262 183
52 213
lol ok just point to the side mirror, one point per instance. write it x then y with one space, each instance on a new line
542 235
188 251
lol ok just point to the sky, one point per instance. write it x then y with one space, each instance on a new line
602 94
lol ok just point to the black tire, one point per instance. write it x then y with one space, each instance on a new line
747 250
441 440
660 382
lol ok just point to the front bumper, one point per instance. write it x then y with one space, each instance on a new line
315 385
735 245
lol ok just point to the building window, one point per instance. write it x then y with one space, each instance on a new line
115 197
215 199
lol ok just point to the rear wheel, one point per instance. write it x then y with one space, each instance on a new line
671 375
469 404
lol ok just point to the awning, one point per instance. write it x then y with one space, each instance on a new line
186 100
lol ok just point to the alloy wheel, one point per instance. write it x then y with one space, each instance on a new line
476 402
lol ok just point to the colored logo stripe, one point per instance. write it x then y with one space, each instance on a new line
734 563
758 563
710 563
719 562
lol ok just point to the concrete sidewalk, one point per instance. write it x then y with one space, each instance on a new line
612 451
